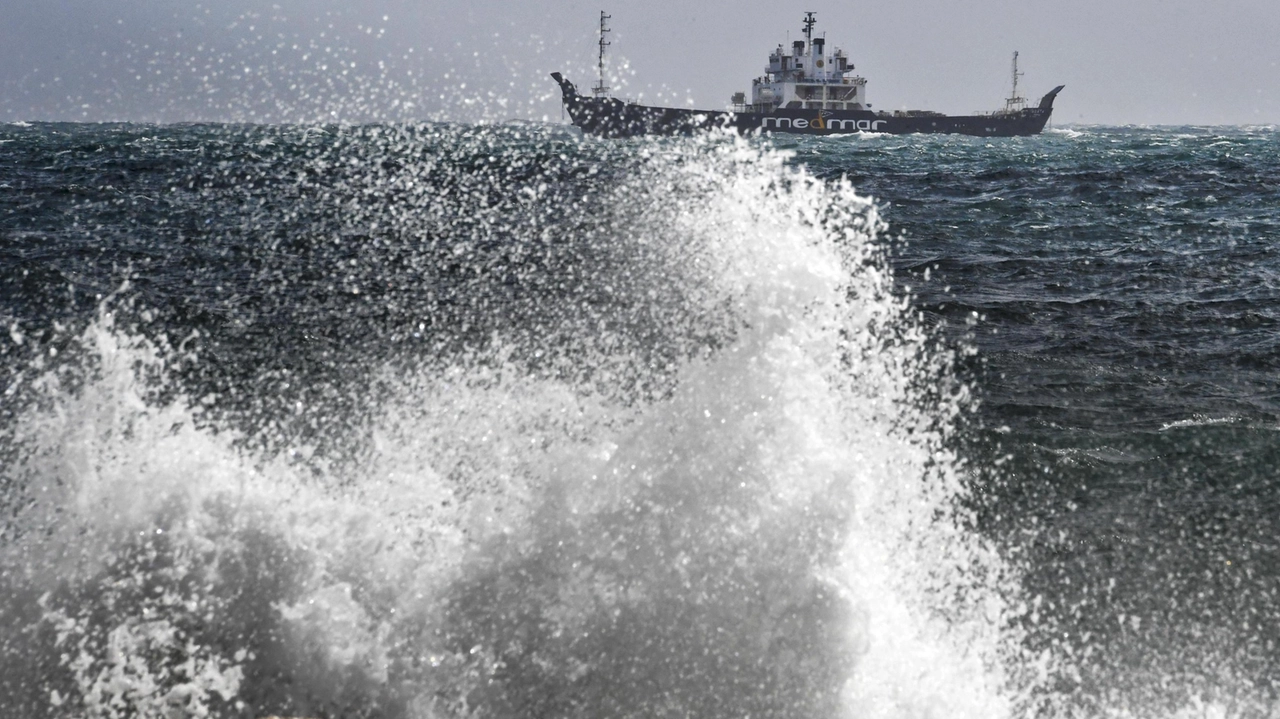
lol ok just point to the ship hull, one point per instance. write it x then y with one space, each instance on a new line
610 117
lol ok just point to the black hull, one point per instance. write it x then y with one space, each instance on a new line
610 117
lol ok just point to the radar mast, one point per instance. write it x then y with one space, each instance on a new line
601 89
809 22
1015 102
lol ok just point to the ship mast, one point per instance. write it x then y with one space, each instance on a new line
1015 102
808 26
600 89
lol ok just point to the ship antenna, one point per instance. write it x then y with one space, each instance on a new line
1014 100
600 89
808 25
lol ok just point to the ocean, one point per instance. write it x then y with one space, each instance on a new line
432 420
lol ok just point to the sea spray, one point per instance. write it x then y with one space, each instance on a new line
763 519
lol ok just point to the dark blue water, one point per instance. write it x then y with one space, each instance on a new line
440 421
1121 289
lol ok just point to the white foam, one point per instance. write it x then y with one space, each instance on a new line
780 532
1200 421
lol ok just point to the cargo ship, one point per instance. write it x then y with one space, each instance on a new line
804 90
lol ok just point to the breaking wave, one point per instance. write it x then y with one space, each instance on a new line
768 520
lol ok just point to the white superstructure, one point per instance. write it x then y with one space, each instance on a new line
806 77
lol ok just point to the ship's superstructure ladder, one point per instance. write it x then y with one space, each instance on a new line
601 89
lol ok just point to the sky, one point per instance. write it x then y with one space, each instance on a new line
1123 62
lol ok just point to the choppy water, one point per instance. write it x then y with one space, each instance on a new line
409 421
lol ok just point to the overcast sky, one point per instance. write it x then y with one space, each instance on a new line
1123 61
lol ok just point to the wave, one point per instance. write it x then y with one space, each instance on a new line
1201 421
774 526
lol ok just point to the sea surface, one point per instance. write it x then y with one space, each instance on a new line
497 421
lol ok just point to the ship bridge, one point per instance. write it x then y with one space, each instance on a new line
806 77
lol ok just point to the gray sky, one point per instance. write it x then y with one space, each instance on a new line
1123 61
